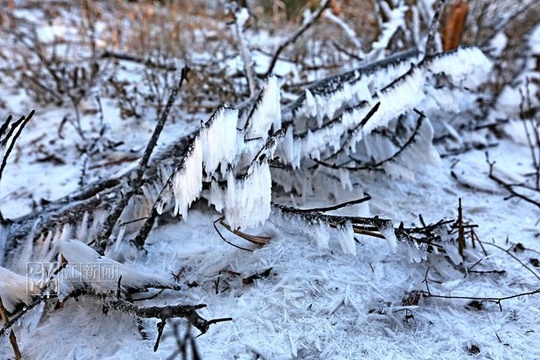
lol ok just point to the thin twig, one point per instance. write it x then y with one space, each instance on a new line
496 300
336 207
223 238
371 166
13 134
148 62
244 53
507 186
188 312
108 226
461 234
324 4
12 337
257 240
507 251
430 46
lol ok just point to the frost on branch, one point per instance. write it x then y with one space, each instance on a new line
14 289
248 199
131 280
342 113
267 112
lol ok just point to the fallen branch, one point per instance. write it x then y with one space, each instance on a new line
188 312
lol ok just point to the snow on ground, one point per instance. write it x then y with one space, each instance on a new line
321 303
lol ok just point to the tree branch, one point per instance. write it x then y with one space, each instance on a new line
136 183
312 20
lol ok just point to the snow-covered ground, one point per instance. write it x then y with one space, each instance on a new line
322 303
292 297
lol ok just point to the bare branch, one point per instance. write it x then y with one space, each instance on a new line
430 48
244 51
108 228
312 20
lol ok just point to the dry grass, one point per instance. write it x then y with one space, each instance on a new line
196 33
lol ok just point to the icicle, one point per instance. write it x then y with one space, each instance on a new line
321 234
311 105
267 111
285 150
345 179
467 65
14 289
3 240
217 196
446 99
109 271
82 228
390 236
248 200
97 223
219 139
346 239
361 90
187 182
398 99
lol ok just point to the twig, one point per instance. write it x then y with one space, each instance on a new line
371 166
534 144
354 130
312 20
188 312
12 136
507 186
12 337
461 234
509 19
336 207
223 238
507 251
108 226
430 48
42 297
244 51
132 58
496 300
183 343
258 240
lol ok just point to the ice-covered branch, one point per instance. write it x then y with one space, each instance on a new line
241 16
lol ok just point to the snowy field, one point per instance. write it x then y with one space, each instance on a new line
388 209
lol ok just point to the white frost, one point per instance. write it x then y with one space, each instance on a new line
219 139
465 66
346 239
390 236
105 271
398 99
187 183
248 200
267 112
13 289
